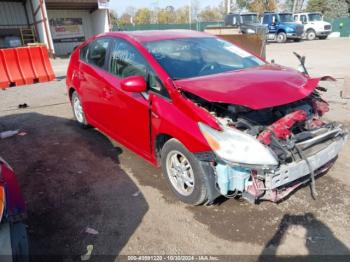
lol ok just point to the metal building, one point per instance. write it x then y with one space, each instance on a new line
60 24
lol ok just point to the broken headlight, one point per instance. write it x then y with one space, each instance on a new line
234 146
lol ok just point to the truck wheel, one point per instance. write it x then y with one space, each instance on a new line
297 39
183 173
323 37
78 111
310 34
281 37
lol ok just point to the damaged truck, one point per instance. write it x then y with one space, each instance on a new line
220 121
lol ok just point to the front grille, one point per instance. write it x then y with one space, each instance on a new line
300 30
327 27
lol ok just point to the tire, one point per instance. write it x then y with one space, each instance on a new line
311 34
78 110
297 39
323 37
281 37
188 169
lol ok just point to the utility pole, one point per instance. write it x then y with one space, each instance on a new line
229 6
190 14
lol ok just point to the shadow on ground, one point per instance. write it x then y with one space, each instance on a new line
319 239
71 180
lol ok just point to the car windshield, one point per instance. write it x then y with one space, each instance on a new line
315 17
193 57
286 18
250 19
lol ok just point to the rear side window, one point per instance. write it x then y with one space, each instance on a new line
97 51
83 53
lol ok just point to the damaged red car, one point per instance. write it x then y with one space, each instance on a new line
217 119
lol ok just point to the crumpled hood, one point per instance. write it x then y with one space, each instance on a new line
256 88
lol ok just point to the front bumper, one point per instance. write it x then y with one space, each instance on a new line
293 171
323 33
294 36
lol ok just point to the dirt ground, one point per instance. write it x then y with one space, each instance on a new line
73 178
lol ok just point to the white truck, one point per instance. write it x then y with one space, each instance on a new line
314 26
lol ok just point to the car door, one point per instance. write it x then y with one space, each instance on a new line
128 113
92 88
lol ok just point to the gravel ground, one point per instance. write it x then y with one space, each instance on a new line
73 178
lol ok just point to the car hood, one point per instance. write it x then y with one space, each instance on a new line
256 88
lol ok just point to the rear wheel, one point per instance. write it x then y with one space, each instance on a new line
78 110
281 37
311 34
184 173
323 37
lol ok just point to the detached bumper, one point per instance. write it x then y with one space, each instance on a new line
293 171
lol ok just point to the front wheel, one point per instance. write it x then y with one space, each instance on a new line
281 37
311 35
184 173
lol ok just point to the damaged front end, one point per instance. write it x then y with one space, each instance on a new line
267 153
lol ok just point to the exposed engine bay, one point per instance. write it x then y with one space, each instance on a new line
303 143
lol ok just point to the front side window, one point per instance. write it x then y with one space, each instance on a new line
194 57
287 18
127 61
303 18
97 51
315 17
250 19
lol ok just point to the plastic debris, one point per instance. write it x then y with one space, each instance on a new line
7 134
91 231
88 253
22 133
136 194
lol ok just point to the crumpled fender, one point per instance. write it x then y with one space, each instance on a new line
190 108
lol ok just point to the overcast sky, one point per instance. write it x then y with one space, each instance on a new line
120 5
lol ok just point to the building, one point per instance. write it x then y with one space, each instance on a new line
60 24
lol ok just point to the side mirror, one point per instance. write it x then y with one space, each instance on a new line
136 84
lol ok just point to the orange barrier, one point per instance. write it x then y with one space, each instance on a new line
25 65
4 80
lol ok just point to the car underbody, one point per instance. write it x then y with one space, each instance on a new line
304 144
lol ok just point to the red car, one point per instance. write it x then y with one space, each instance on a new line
217 119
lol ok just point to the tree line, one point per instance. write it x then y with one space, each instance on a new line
194 13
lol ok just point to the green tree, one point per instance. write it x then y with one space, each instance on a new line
329 8
182 15
260 6
142 16
209 14
167 16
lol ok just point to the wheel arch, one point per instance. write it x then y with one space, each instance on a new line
71 90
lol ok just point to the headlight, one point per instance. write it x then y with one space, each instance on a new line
235 146
250 31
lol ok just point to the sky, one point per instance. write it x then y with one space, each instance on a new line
120 5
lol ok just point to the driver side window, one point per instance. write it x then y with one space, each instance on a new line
126 60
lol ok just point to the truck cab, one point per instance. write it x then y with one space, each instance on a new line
281 27
314 26
248 23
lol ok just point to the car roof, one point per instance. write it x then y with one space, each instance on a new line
158 35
